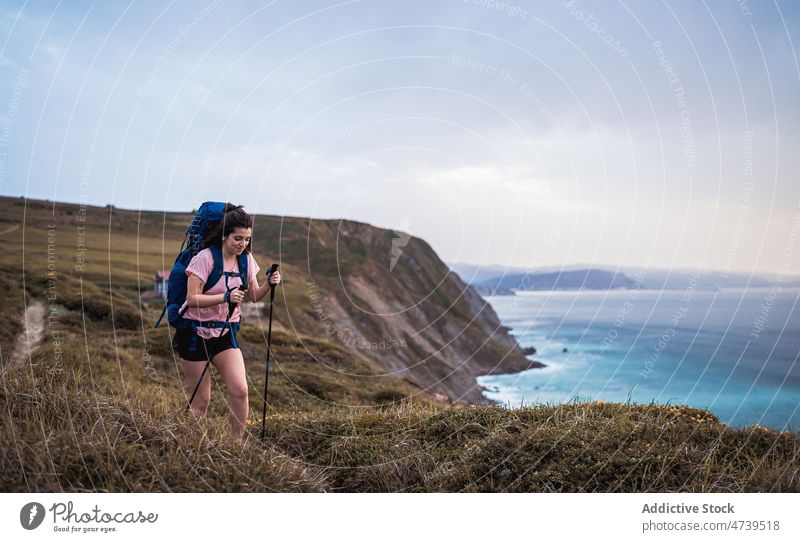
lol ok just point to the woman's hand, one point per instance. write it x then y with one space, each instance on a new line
275 278
236 296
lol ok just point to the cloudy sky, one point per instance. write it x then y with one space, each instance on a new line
519 133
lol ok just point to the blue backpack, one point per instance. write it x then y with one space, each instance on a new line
207 218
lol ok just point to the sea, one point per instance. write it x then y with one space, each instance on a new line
731 351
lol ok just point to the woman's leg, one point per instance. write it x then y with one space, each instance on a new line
230 364
192 370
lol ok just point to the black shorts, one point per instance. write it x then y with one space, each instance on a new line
206 348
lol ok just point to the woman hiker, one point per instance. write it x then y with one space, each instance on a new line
233 235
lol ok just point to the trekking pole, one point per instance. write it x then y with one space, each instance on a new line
269 347
231 307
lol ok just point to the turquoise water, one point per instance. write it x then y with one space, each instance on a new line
733 351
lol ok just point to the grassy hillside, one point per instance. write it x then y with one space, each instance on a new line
112 426
415 320
99 406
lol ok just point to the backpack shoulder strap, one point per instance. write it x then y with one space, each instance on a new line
216 271
243 271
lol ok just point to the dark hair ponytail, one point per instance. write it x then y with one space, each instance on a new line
234 217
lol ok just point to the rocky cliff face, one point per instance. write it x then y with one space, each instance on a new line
388 296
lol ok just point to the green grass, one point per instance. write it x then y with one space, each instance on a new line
14 304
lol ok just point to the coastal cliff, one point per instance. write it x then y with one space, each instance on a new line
379 294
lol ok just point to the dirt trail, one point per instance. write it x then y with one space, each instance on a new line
9 230
33 335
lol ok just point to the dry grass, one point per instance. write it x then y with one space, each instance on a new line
66 429
575 448
109 425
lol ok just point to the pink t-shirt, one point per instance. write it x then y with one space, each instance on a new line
201 265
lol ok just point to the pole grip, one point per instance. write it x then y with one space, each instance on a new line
272 269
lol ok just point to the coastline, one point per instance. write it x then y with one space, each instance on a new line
618 353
